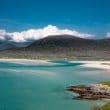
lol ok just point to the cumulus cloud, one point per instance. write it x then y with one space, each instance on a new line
108 35
36 34
2 34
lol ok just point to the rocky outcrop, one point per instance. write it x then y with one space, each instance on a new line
91 92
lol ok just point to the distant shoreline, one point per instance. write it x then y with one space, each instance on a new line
25 61
90 64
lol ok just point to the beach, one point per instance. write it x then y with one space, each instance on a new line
26 61
90 64
95 64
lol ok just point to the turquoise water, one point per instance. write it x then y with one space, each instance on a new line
36 87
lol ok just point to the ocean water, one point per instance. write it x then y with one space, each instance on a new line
42 87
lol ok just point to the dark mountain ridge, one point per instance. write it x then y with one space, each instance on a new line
71 42
63 47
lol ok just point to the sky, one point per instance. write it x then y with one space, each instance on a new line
84 16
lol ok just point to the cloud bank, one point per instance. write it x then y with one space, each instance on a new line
25 38
36 34
108 35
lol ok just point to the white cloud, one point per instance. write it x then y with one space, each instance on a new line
36 34
2 34
108 35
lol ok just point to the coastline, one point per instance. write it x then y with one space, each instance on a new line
90 64
98 65
26 61
95 64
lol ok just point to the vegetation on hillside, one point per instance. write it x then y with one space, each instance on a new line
104 107
105 83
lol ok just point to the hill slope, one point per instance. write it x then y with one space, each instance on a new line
62 47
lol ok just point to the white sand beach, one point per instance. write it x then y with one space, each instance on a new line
95 64
90 64
98 65
27 61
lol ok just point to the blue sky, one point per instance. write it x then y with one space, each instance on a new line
88 16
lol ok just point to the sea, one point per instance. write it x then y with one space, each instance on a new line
43 87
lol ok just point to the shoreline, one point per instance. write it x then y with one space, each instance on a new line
91 91
89 64
26 61
95 64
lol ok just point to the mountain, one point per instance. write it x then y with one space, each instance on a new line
62 47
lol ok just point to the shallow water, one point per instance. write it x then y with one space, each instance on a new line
42 87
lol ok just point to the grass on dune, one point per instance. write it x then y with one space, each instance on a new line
104 107
105 83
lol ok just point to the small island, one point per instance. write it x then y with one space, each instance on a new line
99 91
